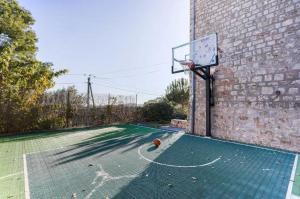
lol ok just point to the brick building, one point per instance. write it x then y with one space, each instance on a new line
257 88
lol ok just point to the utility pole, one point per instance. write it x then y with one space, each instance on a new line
88 101
136 103
92 95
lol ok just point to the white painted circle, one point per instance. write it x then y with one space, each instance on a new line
176 166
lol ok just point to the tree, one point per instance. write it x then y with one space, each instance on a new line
23 78
111 102
60 108
178 94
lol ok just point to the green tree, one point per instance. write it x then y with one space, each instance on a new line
111 102
59 109
23 78
178 94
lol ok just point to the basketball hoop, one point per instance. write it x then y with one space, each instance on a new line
187 65
196 54
198 57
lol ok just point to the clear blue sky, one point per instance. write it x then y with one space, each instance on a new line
125 43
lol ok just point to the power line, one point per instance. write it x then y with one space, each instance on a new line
135 68
125 86
118 71
81 74
67 83
117 88
128 90
125 76
85 75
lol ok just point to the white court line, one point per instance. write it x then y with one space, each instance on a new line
219 140
27 192
177 166
292 179
13 174
242 144
105 177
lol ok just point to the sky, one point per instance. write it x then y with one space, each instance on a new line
125 44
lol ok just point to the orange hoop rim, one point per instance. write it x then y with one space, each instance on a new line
188 64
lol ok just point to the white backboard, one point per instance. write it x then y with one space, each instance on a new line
202 52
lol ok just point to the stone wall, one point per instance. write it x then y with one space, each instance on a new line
257 90
183 124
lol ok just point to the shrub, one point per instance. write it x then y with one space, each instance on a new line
159 111
180 116
177 93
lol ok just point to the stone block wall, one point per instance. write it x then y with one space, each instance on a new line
257 88
183 124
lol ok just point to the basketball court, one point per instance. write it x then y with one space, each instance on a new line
121 162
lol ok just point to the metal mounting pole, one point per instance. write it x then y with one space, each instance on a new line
193 74
208 102
209 79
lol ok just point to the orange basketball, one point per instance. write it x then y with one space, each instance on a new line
156 142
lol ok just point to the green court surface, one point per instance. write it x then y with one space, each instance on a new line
296 187
120 162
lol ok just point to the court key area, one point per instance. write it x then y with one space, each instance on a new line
121 162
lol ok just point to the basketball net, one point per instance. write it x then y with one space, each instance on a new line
187 65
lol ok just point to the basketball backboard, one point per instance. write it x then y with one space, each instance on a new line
201 52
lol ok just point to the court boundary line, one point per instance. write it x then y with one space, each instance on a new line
219 140
292 179
244 144
26 182
176 166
